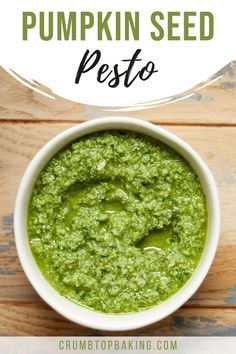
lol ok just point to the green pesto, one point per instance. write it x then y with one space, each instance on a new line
117 221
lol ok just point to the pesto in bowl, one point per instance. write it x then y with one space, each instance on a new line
117 221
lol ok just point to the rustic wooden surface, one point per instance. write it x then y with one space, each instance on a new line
206 120
214 104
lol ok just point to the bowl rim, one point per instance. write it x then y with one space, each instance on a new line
115 322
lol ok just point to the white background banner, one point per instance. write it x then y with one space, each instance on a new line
112 345
53 63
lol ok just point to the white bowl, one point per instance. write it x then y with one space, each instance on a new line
82 315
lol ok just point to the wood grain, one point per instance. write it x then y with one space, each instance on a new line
213 104
40 320
206 120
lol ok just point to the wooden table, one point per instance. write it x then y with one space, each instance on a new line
206 120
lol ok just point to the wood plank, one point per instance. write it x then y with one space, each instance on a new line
18 144
40 320
214 104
